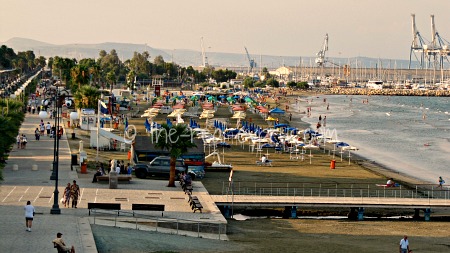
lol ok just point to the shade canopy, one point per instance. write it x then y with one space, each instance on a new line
277 110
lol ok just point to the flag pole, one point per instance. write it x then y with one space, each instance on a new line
98 126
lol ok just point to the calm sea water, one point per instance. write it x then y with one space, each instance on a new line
408 134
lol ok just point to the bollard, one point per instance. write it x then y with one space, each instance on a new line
15 167
34 167
113 180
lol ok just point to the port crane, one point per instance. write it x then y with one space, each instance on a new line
251 62
417 44
320 59
437 50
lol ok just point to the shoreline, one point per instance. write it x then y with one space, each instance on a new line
364 162
389 92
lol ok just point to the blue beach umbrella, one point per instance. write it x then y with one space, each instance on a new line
277 110
280 125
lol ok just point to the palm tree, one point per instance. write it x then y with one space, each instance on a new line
177 140
86 97
79 75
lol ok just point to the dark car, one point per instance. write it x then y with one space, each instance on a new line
160 167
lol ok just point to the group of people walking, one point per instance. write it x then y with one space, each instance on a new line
71 192
21 141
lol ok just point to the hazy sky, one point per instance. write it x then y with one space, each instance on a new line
370 28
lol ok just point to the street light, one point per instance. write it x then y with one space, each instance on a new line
43 114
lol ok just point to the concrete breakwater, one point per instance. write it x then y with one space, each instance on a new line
390 92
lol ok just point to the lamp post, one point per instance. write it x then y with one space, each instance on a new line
57 109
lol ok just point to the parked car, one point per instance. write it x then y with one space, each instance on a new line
160 166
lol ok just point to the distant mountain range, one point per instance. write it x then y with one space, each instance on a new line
185 57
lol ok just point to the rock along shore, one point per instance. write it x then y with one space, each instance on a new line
390 92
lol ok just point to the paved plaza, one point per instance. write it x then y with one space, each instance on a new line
27 177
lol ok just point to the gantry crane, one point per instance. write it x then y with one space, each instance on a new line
437 50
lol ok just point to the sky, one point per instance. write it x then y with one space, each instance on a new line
379 29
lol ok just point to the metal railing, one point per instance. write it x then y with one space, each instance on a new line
334 190
193 228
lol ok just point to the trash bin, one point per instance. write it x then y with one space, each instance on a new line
83 156
113 180
333 164
73 136
74 160
84 168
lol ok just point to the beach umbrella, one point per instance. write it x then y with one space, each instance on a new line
248 99
342 145
277 110
310 147
348 148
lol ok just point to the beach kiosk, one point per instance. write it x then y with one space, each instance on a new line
88 119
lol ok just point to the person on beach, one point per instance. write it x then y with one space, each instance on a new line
404 245
61 245
290 116
67 195
29 215
390 183
74 193
441 182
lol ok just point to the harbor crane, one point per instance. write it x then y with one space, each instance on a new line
437 50
320 59
417 44
251 62
439 45
204 57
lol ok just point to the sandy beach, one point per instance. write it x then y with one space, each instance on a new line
287 235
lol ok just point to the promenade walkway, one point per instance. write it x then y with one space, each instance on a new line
25 184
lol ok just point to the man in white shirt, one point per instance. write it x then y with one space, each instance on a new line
404 245
263 159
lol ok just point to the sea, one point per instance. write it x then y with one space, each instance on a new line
410 135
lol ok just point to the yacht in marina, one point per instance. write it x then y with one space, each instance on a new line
375 84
